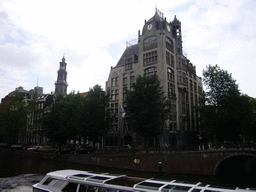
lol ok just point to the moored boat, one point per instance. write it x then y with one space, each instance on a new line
89 181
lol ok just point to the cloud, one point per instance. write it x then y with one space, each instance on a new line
34 36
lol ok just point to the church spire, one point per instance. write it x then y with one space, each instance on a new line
61 83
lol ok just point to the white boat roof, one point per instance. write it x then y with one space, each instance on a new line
139 184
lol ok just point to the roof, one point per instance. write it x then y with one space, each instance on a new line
132 50
84 94
125 183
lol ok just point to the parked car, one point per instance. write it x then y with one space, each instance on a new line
46 149
17 146
83 150
65 150
5 145
28 146
34 148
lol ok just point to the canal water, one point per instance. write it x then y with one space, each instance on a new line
13 165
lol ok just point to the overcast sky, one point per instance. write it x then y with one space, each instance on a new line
35 34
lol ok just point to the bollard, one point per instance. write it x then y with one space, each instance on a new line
160 169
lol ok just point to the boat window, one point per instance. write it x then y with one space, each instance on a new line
125 181
82 188
101 189
98 179
47 181
59 184
196 190
38 190
79 176
71 187
148 185
173 188
91 188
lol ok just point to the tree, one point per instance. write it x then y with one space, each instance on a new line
147 107
219 83
224 112
52 121
14 119
96 116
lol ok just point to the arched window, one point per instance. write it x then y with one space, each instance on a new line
150 71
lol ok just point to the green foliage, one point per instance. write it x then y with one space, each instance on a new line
225 113
219 84
14 119
52 122
147 106
97 115
75 116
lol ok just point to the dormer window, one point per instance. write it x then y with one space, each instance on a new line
128 63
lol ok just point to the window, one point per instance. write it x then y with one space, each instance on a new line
172 60
171 90
71 187
117 96
113 95
150 58
150 71
179 63
117 81
170 74
179 79
168 59
169 44
125 79
47 181
195 86
132 77
190 85
128 63
184 63
114 81
178 50
124 93
184 78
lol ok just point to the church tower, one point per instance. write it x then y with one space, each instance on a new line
61 83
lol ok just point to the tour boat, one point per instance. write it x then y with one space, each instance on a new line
90 181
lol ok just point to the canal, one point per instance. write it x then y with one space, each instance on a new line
12 164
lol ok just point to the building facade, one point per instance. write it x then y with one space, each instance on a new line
61 83
41 106
158 50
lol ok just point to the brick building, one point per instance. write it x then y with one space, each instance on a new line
158 50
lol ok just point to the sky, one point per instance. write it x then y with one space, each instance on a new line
36 34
